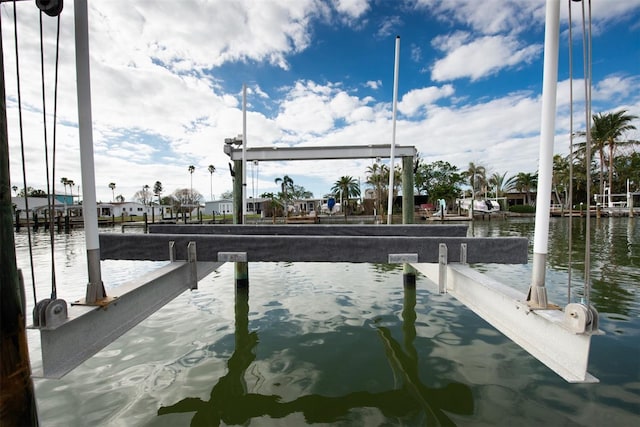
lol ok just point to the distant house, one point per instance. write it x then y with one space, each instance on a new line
36 205
220 207
126 209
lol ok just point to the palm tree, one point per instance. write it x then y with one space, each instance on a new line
70 183
145 191
112 186
525 182
560 179
477 176
501 184
286 184
273 203
191 170
211 170
347 186
375 178
612 126
157 190
64 181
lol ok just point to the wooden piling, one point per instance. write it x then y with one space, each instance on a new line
408 208
241 268
17 398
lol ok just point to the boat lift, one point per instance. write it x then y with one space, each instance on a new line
559 338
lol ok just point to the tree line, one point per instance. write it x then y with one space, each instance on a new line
613 162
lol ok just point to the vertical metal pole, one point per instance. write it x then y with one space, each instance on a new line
629 200
241 268
17 399
408 208
95 288
537 291
396 70
244 153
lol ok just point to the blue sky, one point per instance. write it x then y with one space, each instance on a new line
167 79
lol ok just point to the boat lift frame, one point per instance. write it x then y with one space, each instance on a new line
559 339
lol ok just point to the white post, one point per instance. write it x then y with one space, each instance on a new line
95 289
538 292
629 200
393 133
244 153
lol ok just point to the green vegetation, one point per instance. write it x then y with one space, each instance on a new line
522 209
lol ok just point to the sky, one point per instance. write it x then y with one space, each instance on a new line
167 76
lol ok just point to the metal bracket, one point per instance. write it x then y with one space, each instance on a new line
463 253
402 258
442 267
172 251
39 318
232 257
193 270
49 313
55 313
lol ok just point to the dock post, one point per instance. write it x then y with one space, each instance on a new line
408 209
241 268
17 397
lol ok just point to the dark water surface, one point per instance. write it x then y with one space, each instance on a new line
347 345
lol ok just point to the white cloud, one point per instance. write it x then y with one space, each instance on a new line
374 84
492 17
482 57
415 99
351 8
389 26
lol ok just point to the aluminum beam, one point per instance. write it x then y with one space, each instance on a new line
274 248
546 334
318 153
409 230
88 329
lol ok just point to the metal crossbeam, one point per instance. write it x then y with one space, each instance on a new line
88 329
548 335
274 248
409 230
319 153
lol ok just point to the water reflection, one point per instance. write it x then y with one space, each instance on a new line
231 403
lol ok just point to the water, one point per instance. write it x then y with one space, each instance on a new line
346 345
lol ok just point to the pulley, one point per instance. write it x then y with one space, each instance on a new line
49 313
581 318
50 7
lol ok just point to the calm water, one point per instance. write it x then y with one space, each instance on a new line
346 345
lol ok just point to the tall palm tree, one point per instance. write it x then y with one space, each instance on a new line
191 170
64 181
560 179
614 126
477 178
375 178
71 184
348 187
157 190
501 184
112 186
145 191
525 182
211 170
286 184
273 203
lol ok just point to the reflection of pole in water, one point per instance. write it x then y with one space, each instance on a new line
231 403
